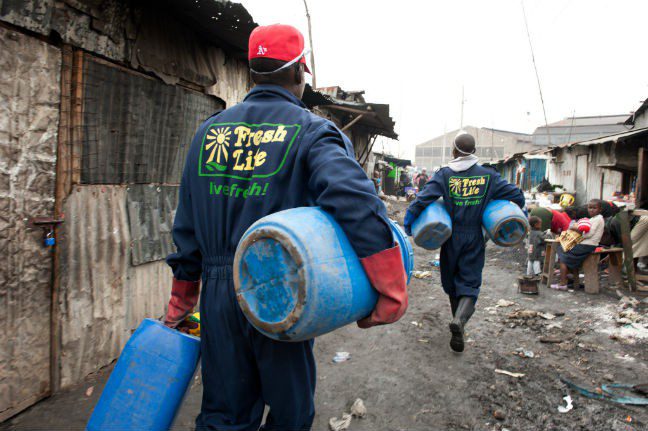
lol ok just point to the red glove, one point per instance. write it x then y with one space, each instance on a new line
184 297
386 274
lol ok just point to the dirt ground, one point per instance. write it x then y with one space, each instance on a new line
410 380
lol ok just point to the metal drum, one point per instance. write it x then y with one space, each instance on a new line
505 223
297 276
433 226
148 383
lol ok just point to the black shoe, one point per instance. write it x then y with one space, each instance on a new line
465 308
454 303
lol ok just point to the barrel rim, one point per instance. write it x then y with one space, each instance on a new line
286 243
497 228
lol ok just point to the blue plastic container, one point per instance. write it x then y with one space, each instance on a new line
407 250
297 276
149 381
505 223
433 226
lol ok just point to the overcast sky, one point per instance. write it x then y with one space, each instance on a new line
417 55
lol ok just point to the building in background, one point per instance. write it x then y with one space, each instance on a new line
576 129
492 144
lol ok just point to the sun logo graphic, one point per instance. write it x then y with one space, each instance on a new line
218 142
455 186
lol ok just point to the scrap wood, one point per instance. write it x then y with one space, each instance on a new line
607 392
509 373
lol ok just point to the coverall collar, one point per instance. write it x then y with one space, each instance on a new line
270 91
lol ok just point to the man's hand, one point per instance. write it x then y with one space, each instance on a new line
386 274
184 297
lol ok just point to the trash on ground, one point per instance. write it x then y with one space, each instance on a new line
417 324
568 407
609 393
422 274
341 356
509 373
358 409
499 415
523 314
341 424
504 303
547 316
524 353
551 339
89 391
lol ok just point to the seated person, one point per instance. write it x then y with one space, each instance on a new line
592 231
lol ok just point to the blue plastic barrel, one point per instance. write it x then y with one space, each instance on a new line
505 223
432 227
297 276
407 250
149 381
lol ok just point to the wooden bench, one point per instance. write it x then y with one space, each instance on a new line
589 267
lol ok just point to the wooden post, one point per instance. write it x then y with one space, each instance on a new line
616 262
628 258
76 118
641 193
62 190
590 268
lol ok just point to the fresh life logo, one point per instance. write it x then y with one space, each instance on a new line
245 151
468 190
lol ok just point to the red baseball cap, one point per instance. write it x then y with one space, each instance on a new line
279 42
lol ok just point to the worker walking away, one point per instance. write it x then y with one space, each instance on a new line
466 188
268 154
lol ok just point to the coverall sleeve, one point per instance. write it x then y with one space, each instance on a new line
186 262
341 188
432 191
506 191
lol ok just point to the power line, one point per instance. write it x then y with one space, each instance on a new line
535 67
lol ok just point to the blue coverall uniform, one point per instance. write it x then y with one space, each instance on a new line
266 154
465 196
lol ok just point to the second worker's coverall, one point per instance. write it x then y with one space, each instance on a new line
261 156
465 196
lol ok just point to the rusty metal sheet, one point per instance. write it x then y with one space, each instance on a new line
29 116
103 297
151 209
136 129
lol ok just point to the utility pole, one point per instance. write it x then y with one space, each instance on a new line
462 105
310 39
444 145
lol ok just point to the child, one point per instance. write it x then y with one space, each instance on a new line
592 231
466 188
536 246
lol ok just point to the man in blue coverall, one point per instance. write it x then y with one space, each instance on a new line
466 188
268 154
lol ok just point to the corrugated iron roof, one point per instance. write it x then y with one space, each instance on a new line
375 116
639 111
614 138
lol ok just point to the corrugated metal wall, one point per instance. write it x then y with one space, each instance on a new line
29 116
151 209
103 298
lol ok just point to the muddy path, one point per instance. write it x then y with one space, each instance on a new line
410 380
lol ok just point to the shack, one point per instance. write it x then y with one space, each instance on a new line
603 168
526 170
100 102
362 122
